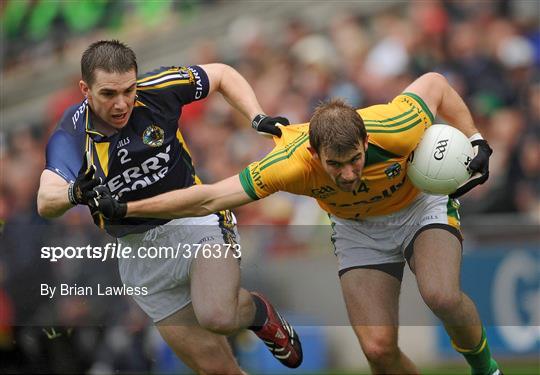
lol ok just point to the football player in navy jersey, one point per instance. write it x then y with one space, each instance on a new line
125 135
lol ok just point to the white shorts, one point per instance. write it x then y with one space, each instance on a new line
166 278
388 239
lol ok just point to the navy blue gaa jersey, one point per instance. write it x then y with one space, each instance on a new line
145 158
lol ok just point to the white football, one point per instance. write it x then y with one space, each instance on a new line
439 164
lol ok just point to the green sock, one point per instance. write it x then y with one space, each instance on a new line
479 357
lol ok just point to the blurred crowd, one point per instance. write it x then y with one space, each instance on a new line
489 51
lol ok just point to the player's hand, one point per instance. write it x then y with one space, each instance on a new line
479 166
268 125
82 190
107 204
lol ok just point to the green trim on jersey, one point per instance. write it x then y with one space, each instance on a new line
391 118
422 104
376 154
276 153
388 123
247 184
371 129
289 152
452 208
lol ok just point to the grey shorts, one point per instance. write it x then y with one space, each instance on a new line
162 260
385 239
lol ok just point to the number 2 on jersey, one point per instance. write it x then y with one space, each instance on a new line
123 154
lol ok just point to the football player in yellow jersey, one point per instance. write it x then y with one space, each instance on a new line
354 164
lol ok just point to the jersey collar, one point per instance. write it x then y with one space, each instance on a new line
89 129
376 154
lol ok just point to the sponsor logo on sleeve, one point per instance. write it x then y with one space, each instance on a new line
198 83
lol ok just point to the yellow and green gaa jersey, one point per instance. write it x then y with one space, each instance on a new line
394 131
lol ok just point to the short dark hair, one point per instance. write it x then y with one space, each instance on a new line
111 56
336 127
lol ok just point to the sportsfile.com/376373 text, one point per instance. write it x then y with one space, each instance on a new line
118 251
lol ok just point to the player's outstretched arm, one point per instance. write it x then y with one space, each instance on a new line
234 88
197 200
238 92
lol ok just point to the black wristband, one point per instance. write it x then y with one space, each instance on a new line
257 120
122 210
71 196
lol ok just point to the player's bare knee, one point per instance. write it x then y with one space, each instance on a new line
380 349
441 302
379 344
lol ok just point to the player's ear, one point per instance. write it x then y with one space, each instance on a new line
313 153
84 88
366 142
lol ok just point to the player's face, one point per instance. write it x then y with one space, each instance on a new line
345 170
112 97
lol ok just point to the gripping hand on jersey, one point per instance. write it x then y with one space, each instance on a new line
107 204
479 166
81 191
267 125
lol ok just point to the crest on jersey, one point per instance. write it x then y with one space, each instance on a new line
153 136
393 170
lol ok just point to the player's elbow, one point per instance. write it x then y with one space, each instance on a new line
224 68
436 80
42 208
435 77
45 208
218 73
433 88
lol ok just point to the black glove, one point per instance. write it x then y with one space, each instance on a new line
479 166
105 203
267 125
82 190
